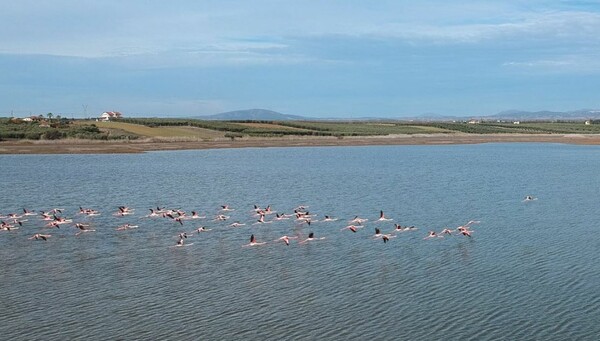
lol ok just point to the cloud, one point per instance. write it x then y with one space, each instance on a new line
582 64
109 28
218 54
311 54
564 26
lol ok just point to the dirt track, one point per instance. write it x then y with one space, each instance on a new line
102 147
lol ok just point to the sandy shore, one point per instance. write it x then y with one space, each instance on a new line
104 147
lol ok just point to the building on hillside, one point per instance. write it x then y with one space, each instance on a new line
33 118
110 116
588 122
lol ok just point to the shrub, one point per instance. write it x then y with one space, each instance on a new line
53 134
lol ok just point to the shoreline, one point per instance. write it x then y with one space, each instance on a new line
141 146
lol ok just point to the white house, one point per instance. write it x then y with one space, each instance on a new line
33 119
110 115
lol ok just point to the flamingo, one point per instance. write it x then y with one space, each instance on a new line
382 217
46 216
281 216
26 212
268 210
123 211
253 242
40 236
83 228
466 233
195 215
181 237
358 220
6 226
328 219
352 228
88 211
53 224
19 221
153 213
126 227
378 234
311 237
432 234
446 231
61 220
221 217
286 239
261 220
471 222
202 229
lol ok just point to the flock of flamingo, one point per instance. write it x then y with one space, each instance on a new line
82 222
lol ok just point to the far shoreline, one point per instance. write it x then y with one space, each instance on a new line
141 146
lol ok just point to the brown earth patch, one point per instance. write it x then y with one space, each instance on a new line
135 146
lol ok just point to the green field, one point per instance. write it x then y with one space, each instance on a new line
523 128
160 131
352 128
371 128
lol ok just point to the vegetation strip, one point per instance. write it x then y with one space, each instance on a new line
56 128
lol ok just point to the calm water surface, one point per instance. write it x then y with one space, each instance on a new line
529 272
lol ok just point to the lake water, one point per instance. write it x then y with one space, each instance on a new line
530 271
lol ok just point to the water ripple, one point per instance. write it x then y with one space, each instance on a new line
529 272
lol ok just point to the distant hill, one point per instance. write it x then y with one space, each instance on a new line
509 115
546 115
252 114
518 115
433 117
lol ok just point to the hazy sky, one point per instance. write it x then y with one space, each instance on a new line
315 58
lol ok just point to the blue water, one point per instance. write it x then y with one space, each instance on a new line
529 272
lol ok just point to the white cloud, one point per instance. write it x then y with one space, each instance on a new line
197 33
99 29
559 64
210 55
564 26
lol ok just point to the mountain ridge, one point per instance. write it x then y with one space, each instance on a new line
253 115
513 114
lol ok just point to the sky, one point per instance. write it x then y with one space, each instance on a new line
325 59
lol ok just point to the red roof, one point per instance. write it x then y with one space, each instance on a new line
112 113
